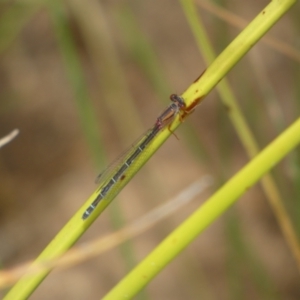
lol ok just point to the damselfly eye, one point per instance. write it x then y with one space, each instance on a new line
178 100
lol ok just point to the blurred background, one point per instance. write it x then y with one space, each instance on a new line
82 80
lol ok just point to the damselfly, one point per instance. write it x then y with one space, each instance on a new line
130 157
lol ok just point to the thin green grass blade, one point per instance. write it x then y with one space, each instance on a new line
77 80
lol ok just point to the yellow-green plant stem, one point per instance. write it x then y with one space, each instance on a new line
238 22
200 88
243 130
226 196
233 53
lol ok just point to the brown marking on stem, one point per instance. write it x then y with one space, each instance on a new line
193 105
199 76
190 109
